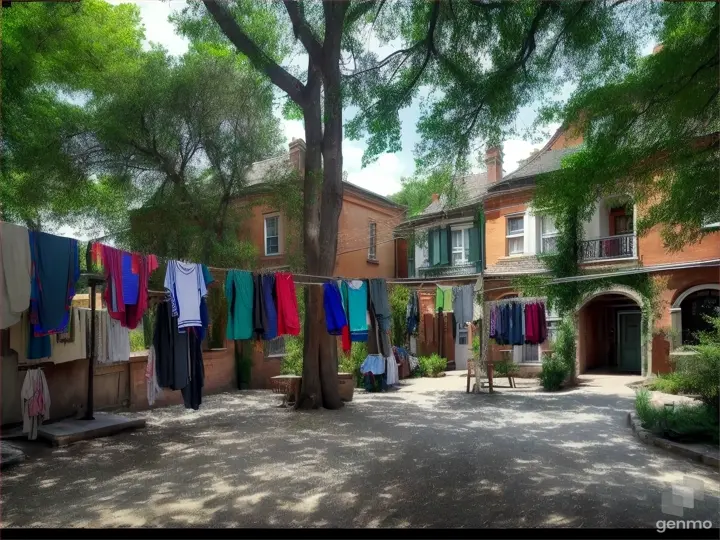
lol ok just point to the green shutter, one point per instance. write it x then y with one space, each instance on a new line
434 246
445 245
411 258
475 243
482 240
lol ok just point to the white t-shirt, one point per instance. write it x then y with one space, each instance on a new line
186 285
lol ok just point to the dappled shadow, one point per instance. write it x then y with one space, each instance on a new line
428 455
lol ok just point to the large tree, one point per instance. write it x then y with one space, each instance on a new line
654 134
54 56
485 58
181 136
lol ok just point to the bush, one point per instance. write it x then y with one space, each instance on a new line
671 383
432 366
137 340
352 362
292 362
399 296
684 422
564 346
702 369
553 372
505 368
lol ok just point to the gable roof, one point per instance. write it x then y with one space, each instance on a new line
543 162
471 186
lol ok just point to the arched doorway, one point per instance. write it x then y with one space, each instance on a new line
610 333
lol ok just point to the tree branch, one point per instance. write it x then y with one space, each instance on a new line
277 75
302 30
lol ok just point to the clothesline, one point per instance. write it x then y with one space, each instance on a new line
516 300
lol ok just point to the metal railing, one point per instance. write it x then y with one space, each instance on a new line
621 246
449 270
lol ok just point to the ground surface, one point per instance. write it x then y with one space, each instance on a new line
428 455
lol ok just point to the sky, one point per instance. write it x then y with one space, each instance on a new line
383 176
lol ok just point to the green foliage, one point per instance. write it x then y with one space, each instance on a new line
399 296
137 340
292 362
553 373
352 362
417 191
651 134
684 422
564 346
702 369
505 368
432 366
671 383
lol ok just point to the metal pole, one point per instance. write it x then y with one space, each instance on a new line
91 356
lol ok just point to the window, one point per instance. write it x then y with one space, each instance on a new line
552 329
623 224
275 347
516 235
462 335
694 309
460 246
548 235
272 235
372 249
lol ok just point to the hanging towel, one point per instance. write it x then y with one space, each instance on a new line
55 270
118 340
391 371
68 351
258 311
34 402
462 304
346 339
15 270
288 318
380 302
186 285
130 280
269 307
443 298
334 314
358 309
239 293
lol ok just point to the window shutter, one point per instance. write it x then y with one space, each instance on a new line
475 243
482 241
445 245
434 246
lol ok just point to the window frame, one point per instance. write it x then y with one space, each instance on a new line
544 235
510 236
372 241
464 231
266 217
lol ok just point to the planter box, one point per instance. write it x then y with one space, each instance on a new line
346 386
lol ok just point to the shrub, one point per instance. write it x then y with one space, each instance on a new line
292 362
671 383
684 422
505 368
137 340
399 296
702 369
564 346
553 372
432 366
352 362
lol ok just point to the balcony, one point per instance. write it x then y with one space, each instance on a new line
449 270
621 246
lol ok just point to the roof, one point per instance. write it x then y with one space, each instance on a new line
543 162
372 194
471 187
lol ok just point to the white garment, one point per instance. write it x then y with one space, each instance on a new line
76 349
153 389
100 347
391 371
118 340
186 285
15 269
34 382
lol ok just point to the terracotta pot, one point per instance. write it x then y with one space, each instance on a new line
346 386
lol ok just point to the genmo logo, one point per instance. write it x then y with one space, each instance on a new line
663 525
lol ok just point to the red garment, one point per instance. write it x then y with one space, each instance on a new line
542 323
531 324
288 320
346 342
129 316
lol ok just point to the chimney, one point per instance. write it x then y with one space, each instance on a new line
494 162
297 155
435 197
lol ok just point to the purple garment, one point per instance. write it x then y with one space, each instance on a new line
493 317
130 281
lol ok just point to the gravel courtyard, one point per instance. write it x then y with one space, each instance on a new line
428 455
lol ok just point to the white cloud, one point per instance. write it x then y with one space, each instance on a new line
158 28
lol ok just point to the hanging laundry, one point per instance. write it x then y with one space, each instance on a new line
207 276
443 298
463 300
154 391
74 348
478 292
55 270
172 353
15 270
118 340
357 301
412 313
126 276
346 339
258 311
288 319
186 285
269 306
542 322
192 392
493 321
334 314
239 291
100 347
380 311
392 376
34 402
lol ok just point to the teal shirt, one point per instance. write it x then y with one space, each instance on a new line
357 306
240 311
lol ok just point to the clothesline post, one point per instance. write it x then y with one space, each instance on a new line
93 281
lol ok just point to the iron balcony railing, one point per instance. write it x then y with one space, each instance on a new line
449 270
621 246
